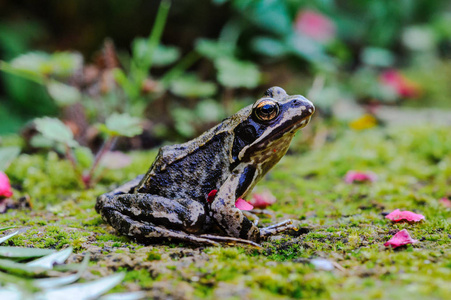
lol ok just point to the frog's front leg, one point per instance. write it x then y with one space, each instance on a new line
231 219
223 210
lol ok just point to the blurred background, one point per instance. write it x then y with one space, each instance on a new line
183 66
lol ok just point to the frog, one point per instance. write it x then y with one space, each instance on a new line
190 190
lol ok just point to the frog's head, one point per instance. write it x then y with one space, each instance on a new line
269 125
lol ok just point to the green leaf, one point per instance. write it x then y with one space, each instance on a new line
51 283
49 260
234 73
210 111
63 94
83 156
55 130
7 155
40 63
80 291
12 267
272 15
213 49
378 57
122 125
162 56
184 120
23 253
190 86
268 46
306 48
33 62
10 294
6 237
6 228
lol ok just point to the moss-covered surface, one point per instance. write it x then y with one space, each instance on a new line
341 222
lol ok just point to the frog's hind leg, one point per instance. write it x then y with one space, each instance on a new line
146 231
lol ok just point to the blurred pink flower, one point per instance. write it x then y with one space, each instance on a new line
243 204
356 176
239 203
315 25
446 202
5 186
403 86
406 215
262 200
399 239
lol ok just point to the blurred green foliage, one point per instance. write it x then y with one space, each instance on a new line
219 50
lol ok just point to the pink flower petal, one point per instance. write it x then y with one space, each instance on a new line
5 186
211 195
262 200
243 204
446 202
402 85
399 239
406 215
315 25
356 176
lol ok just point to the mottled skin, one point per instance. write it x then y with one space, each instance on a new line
170 201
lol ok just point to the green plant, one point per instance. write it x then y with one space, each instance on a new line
54 133
32 273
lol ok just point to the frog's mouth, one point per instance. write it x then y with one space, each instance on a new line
288 127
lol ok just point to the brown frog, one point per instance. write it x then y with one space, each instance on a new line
170 200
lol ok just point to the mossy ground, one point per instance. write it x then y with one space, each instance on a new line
341 222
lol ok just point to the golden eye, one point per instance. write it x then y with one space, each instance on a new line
266 110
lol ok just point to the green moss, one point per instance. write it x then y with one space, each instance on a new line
341 222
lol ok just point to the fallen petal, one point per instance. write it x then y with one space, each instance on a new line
399 239
5 186
406 215
262 200
243 204
356 176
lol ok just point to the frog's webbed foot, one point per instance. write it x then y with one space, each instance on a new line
277 228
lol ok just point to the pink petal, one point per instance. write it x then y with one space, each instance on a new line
446 202
243 204
262 200
406 215
315 25
356 176
402 85
211 195
5 186
399 239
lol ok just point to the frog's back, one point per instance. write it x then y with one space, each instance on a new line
190 170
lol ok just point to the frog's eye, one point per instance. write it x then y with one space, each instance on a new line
266 110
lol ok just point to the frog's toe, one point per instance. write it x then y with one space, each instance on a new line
277 228
230 240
